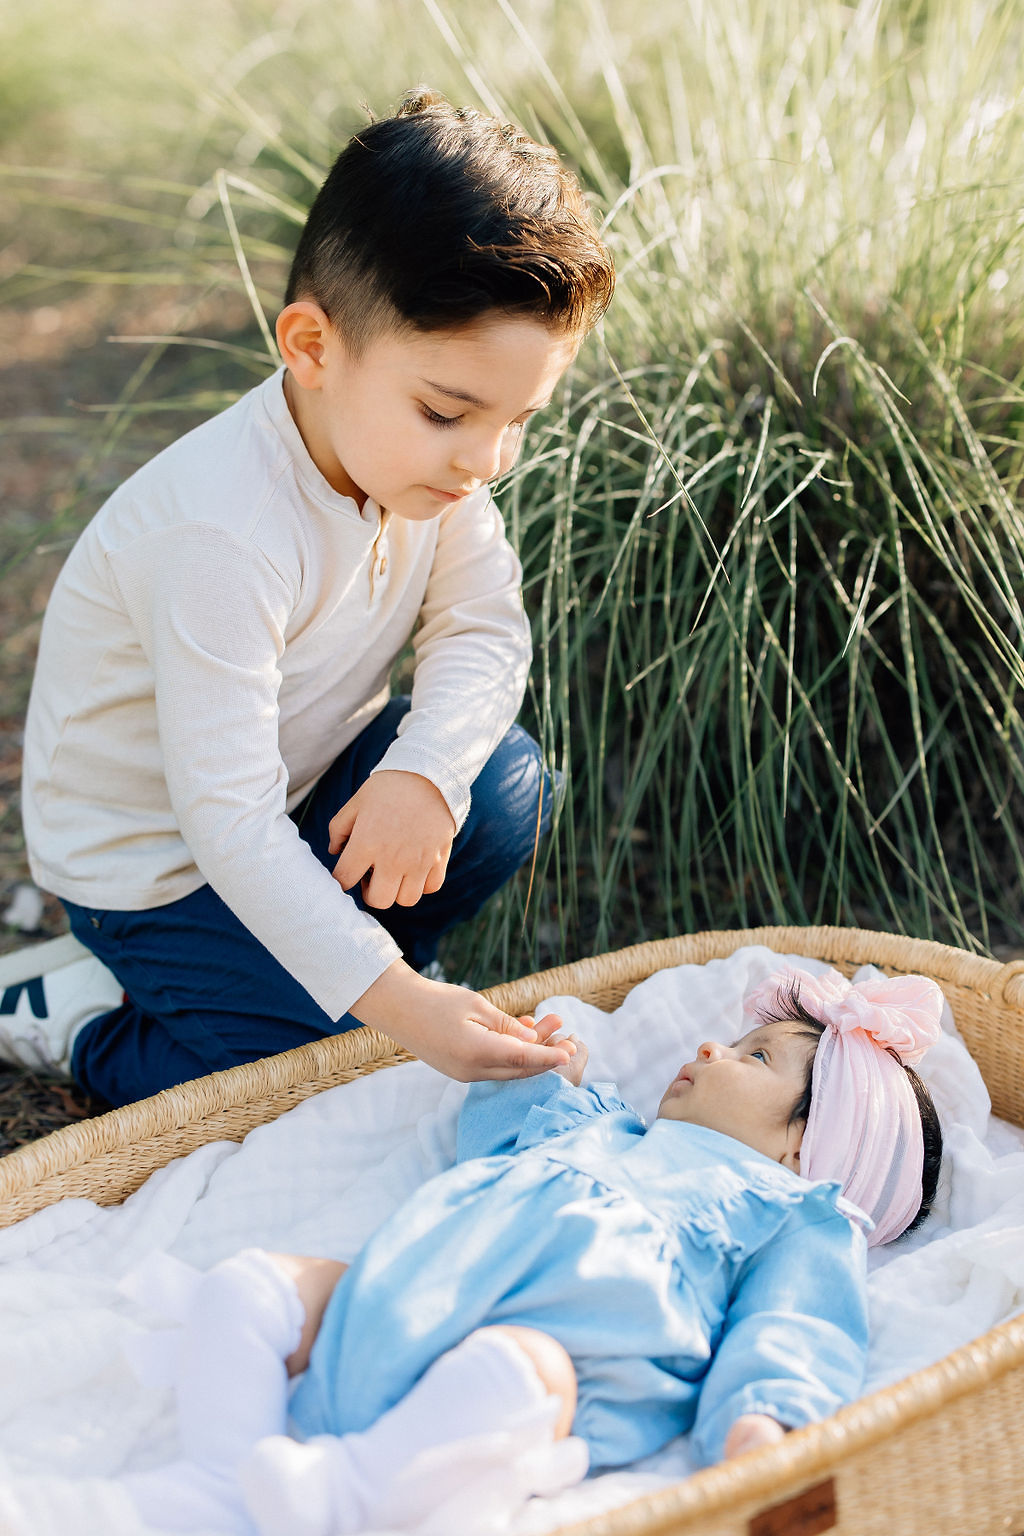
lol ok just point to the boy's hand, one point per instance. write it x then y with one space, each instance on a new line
750 1431
574 1070
397 830
458 1031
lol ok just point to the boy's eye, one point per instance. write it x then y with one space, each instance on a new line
437 419
759 1054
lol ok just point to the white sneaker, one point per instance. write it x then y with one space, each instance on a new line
48 992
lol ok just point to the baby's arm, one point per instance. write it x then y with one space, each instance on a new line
751 1431
511 1117
795 1339
573 1071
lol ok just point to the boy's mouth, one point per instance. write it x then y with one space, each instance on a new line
446 495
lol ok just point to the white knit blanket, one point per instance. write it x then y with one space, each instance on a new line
321 1178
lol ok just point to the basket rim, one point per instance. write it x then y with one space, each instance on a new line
808 1454
363 1049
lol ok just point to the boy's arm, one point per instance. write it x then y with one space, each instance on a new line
458 1031
215 648
472 649
795 1339
472 652
394 836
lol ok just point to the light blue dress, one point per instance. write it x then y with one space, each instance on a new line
690 1278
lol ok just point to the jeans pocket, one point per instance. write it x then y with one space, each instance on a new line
87 922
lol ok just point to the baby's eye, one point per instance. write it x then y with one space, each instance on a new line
437 419
759 1054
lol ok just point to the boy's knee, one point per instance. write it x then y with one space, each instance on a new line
514 784
553 1365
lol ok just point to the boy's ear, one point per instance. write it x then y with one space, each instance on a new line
304 334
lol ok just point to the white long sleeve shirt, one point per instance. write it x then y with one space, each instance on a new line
224 627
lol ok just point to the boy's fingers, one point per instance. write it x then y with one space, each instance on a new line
339 828
565 1042
547 1027
505 1058
538 1058
506 1025
435 878
355 864
554 1039
380 890
410 891
350 869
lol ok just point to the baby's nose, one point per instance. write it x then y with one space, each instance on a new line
709 1051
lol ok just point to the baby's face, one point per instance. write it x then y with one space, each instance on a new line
747 1090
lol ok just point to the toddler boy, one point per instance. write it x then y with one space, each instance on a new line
258 843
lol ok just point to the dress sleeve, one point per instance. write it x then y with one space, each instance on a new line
795 1337
472 655
511 1116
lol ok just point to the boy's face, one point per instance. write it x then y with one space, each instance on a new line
419 419
747 1090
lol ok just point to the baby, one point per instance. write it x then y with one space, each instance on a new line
575 1271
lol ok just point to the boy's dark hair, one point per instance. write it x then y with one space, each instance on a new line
438 214
789 1009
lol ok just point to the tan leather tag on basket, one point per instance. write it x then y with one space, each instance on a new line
809 1513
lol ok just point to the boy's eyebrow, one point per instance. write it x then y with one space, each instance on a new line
464 395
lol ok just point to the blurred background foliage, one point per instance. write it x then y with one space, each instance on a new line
771 526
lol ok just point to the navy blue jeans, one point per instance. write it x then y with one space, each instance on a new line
203 994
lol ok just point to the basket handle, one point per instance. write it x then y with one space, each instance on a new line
1010 983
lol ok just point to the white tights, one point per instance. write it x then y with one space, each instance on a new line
240 1473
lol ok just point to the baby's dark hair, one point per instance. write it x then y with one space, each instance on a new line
432 217
788 1009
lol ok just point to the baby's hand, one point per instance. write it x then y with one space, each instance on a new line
394 836
573 1070
750 1431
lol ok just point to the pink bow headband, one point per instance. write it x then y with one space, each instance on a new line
864 1126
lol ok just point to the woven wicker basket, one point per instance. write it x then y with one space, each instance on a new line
941 1453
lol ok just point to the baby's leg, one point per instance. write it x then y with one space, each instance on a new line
510 1386
247 1324
251 1321
314 1280
553 1367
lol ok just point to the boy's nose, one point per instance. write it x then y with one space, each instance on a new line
709 1051
480 459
